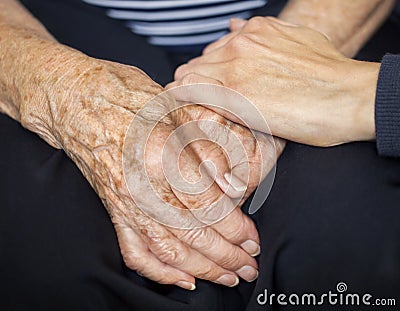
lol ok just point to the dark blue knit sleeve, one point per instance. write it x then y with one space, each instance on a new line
387 107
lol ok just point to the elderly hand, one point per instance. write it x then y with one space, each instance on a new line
306 89
86 107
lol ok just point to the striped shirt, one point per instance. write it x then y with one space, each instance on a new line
179 23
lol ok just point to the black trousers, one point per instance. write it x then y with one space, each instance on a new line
332 216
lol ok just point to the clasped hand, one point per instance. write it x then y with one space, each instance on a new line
87 108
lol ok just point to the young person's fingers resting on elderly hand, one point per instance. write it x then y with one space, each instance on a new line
306 89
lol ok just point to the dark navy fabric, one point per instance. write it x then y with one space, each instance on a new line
387 107
332 215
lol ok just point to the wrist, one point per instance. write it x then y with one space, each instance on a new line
348 24
361 86
28 62
44 87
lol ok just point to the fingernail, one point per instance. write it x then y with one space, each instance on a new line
228 280
235 182
186 285
251 248
247 273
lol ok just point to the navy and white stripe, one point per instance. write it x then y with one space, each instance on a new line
176 23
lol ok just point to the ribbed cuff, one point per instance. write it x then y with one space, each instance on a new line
387 107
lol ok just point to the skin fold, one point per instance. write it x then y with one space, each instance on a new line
85 106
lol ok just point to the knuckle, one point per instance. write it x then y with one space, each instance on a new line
257 22
194 61
270 21
209 48
131 260
240 42
197 238
264 25
239 228
206 201
212 212
231 259
210 272
236 234
171 255
246 229
189 78
181 71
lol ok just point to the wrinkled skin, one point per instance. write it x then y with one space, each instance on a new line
89 107
85 106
